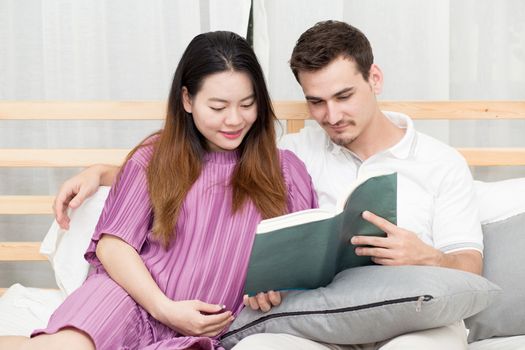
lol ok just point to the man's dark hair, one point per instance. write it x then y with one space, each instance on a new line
326 41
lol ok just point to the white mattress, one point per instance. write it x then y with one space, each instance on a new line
24 309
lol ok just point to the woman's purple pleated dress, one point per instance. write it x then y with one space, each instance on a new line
207 261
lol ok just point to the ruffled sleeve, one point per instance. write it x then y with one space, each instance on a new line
301 192
127 213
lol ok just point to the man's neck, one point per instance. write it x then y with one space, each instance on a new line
381 134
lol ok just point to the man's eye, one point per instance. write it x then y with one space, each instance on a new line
315 102
343 97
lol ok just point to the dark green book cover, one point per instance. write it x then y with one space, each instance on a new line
309 255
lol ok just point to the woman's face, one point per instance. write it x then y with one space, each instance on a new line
224 109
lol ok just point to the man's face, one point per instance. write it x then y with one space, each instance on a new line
341 100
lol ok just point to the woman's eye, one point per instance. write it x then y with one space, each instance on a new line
248 105
217 109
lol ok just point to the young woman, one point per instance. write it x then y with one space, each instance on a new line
171 248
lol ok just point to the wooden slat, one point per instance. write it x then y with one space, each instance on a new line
126 110
86 157
110 110
291 110
123 110
293 126
457 110
20 251
107 110
429 110
60 157
494 156
20 205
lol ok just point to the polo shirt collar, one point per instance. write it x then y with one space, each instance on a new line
402 150
405 147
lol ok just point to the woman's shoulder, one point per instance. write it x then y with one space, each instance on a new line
288 157
144 151
301 193
291 164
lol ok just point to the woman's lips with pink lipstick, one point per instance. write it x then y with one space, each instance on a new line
232 134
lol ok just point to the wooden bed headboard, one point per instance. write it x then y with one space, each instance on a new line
294 112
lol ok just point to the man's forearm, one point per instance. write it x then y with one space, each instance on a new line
107 173
466 260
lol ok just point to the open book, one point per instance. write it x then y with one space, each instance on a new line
306 249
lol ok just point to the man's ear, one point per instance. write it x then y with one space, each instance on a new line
376 79
186 100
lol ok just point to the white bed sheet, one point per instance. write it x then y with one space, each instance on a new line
24 309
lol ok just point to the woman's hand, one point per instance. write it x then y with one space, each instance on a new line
193 317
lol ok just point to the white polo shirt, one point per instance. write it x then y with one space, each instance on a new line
435 196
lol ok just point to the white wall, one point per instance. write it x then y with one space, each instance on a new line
128 49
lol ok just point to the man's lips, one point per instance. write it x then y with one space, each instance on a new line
339 127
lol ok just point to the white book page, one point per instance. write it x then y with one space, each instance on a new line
340 205
292 219
311 215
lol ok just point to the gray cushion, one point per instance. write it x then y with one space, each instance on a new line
370 304
504 264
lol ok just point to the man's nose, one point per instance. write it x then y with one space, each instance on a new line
333 114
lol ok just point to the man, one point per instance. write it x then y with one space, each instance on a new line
437 217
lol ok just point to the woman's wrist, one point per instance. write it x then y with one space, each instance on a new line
158 306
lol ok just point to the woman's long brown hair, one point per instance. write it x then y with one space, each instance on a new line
179 149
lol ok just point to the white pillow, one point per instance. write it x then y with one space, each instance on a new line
65 249
500 200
